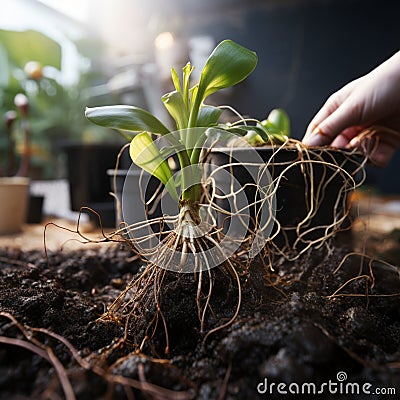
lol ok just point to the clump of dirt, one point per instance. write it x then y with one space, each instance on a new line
290 328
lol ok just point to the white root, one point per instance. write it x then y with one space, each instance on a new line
191 238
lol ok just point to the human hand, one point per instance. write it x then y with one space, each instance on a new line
365 114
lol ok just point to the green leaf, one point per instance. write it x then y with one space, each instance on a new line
175 79
193 138
187 71
265 135
193 91
218 133
268 135
227 65
243 130
208 116
175 105
167 151
279 138
29 45
253 138
278 121
128 118
145 154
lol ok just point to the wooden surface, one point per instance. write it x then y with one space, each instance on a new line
56 233
374 216
376 213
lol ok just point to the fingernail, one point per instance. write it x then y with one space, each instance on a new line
355 142
313 140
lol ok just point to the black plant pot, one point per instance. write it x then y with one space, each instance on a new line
35 209
294 188
89 185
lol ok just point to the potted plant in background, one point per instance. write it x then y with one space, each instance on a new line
68 144
14 182
66 150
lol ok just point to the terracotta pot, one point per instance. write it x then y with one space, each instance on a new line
13 204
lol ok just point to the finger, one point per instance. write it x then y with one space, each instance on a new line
327 109
379 146
343 117
330 106
345 137
340 141
380 156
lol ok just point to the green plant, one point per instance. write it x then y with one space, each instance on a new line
194 244
228 65
30 63
10 165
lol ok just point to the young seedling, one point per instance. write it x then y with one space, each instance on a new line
228 65
195 123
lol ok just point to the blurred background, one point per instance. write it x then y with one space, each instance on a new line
67 55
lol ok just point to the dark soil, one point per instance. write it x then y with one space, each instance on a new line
288 330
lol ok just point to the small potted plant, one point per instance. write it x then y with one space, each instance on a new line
73 146
14 181
64 143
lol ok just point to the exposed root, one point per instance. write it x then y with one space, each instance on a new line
224 386
369 263
233 318
369 139
186 249
317 211
49 356
192 246
200 237
31 343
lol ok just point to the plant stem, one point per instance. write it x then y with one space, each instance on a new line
10 165
186 177
26 156
194 112
195 156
